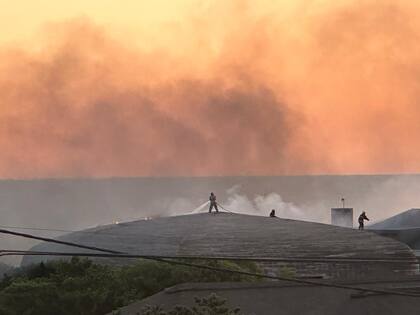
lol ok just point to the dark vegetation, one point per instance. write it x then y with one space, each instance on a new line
80 286
4 269
211 305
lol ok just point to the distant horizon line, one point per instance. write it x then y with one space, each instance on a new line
2 179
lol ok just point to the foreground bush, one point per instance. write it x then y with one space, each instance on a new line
82 287
211 305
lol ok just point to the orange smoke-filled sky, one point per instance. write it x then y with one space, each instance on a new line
196 88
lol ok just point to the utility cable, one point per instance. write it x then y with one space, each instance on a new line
117 254
9 252
218 269
51 240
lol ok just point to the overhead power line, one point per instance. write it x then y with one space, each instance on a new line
218 269
51 240
38 229
107 253
117 254
97 232
10 252
408 260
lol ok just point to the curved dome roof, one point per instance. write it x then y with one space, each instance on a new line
404 220
226 234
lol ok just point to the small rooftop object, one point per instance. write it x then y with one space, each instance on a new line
342 217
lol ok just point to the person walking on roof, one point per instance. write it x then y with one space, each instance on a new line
362 218
273 213
213 203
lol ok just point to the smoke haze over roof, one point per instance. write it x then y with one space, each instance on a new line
216 89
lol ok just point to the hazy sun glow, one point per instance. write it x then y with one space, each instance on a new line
168 88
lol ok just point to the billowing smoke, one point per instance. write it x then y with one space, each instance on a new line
262 205
271 88
88 106
231 88
238 201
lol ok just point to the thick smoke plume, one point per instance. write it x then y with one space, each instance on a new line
232 89
88 106
262 205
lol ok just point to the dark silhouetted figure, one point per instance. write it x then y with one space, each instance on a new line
362 218
273 213
213 203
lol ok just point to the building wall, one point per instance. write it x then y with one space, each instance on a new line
338 270
342 217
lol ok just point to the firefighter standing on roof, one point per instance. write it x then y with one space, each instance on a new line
213 203
362 218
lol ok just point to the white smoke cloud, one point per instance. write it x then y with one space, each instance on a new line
180 204
283 209
239 202
262 204
380 199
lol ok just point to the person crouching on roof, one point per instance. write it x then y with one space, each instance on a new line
213 203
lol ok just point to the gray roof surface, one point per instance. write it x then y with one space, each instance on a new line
285 298
404 227
79 203
404 220
226 234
